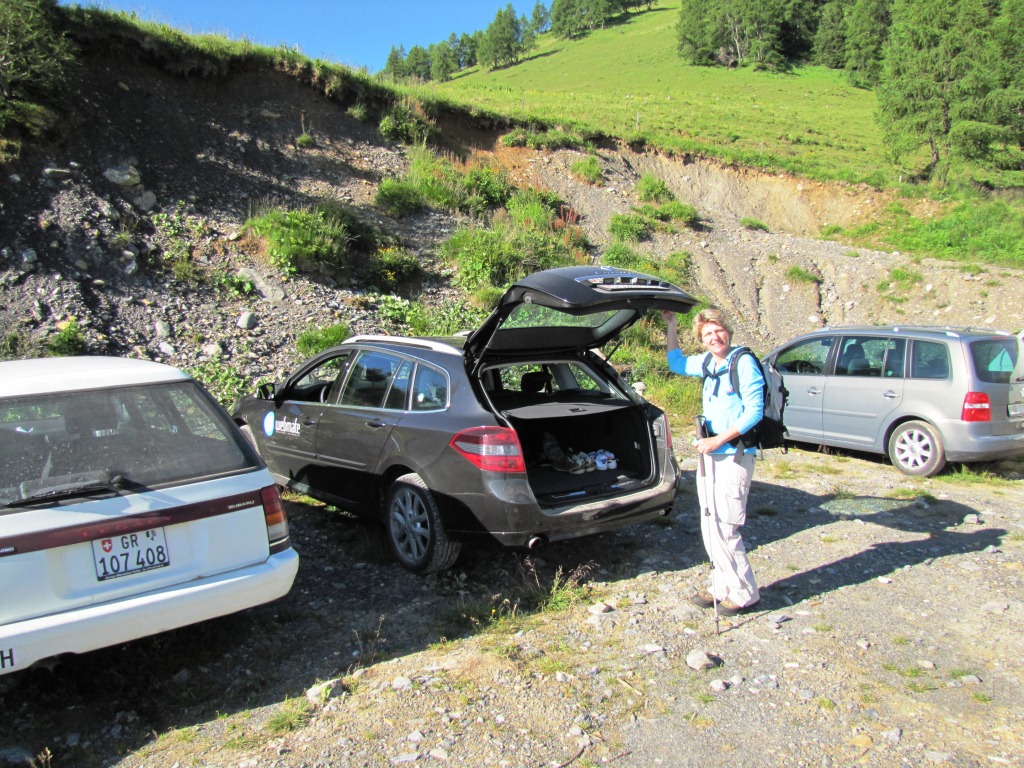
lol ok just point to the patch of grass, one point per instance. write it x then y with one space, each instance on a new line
754 224
799 274
681 212
67 342
398 197
391 267
318 239
826 703
900 640
292 715
964 474
305 141
314 340
841 492
821 627
651 189
983 698
588 169
231 283
407 122
221 379
629 227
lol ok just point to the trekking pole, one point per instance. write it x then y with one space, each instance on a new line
702 474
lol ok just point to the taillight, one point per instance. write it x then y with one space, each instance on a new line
976 407
277 520
495 449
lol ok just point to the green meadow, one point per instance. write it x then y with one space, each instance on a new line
628 81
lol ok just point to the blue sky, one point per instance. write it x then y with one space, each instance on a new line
359 34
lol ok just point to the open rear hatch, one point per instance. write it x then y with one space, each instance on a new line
543 327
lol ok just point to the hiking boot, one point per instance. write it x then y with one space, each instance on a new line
729 608
557 458
703 599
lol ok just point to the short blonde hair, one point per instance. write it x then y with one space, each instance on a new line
710 315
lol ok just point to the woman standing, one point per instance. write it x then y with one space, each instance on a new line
728 464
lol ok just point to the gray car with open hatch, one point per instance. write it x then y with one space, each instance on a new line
521 431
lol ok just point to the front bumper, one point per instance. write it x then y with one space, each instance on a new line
99 626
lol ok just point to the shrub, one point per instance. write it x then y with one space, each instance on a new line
34 54
750 223
801 275
223 381
503 254
359 111
588 169
651 189
391 267
532 209
406 122
315 340
491 183
68 341
398 197
305 141
622 256
681 212
317 239
629 226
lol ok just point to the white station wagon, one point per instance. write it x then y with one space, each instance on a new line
130 504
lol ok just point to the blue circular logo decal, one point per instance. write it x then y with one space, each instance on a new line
268 424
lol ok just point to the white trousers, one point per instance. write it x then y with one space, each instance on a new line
723 492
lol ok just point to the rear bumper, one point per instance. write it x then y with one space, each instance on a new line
962 445
514 525
99 626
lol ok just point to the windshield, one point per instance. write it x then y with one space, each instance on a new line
145 437
994 359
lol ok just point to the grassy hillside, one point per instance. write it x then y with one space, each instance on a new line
628 81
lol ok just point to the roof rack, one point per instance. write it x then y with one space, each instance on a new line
405 341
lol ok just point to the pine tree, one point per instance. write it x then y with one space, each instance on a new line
940 66
867 28
394 67
830 39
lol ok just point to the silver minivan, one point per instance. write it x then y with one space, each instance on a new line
924 396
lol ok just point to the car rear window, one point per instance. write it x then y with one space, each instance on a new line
144 437
994 359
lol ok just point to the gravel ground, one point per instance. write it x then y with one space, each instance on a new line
890 634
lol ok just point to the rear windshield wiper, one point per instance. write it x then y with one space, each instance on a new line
108 482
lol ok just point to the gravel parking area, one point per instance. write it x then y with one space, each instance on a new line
890 633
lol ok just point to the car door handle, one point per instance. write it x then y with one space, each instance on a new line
376 423
813 391
890 395
308 421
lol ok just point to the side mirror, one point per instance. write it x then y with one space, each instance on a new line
265 391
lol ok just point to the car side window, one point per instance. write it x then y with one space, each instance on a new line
870 356
369 379
398 395
429 389
806 357
317 383
929 360
895 353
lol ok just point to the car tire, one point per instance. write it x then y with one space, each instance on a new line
915 448
414 530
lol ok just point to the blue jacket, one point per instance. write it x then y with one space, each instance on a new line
727 408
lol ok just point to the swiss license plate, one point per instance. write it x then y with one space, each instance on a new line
1016 409
130 553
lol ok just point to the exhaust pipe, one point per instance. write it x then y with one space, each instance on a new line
536 542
